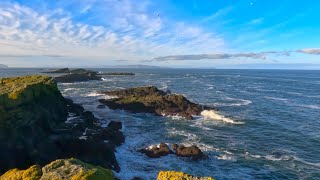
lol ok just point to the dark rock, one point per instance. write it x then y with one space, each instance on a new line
168 92
80 71
78 77
163 149
152 100
156 152
115 125
193 151
33 130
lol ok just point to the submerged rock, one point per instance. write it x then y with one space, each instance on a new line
35 128
152 100
168 175
59 170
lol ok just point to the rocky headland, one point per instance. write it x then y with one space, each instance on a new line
150 99
40 131
36 127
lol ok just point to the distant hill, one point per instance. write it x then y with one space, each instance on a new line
3 66
139 66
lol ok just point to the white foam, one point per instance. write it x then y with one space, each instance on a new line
275 98
94 94
214 115
226 157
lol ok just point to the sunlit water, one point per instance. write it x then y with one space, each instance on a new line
278 136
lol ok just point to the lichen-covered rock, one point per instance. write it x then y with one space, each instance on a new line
29 102
61 169
152 100
34 127
74 169
172 175
33 173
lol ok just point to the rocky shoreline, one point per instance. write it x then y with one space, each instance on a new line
38 126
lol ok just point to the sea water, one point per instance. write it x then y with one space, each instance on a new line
267 126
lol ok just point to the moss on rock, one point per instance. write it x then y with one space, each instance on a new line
76 170
61 169
172 175
33 173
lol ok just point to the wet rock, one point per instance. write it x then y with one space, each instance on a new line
193 151
152 100
156 151
115 125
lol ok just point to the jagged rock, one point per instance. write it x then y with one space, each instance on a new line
163 149
115 125
61 169
165 175
152 100
157 151
34 128
32 173
78 77
193 151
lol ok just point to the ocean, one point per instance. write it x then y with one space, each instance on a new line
268 125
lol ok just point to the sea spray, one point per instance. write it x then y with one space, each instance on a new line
211 114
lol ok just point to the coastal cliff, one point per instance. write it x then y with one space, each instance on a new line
35 127
40 131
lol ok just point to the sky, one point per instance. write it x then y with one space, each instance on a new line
171 33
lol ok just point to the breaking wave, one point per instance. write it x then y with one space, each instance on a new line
215 116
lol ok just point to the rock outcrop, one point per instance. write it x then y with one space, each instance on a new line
163 149
157 151
36 127
172 175
152 100
61 169
78 77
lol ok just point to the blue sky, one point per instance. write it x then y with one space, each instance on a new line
174 33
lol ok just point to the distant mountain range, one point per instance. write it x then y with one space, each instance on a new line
3 66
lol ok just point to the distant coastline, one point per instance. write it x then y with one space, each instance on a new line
2 66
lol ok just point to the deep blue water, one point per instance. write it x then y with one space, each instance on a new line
276 134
